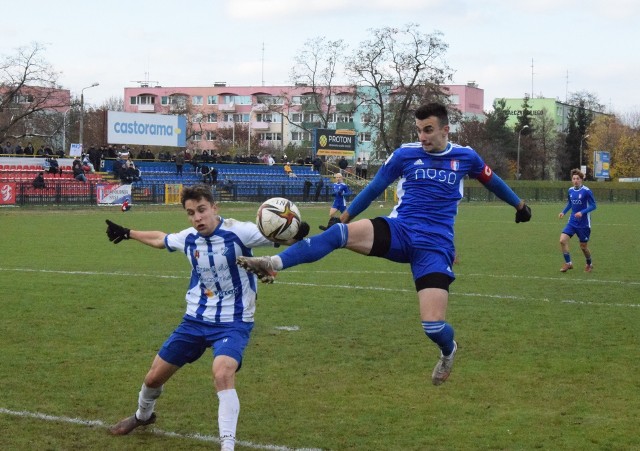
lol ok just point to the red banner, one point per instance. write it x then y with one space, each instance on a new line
7 193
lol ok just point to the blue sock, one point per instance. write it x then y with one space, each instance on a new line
567 257
441 333
313 249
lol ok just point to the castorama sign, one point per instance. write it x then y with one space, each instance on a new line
146 129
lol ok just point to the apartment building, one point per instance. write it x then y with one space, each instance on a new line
274 116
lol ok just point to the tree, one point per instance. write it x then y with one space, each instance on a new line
316 67
29 92
608 133
542 158
500 148
395 71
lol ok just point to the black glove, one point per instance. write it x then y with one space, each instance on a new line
524 214
117 233
303 231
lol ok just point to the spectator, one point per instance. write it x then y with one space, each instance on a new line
319 186
288 170
51 166
306 190
29 150
179 162
87 166
364 169
317 164
359 168
95 155
78 172
343 164
38 182
209 175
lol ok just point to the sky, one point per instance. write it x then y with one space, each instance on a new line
508 47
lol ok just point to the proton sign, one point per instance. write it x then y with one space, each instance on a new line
334 142
146 129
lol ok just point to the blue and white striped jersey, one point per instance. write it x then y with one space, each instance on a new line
580 199
219 290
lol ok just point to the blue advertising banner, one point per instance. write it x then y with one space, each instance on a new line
601 160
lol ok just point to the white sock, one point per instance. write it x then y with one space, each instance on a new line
147 401
228 412
276 262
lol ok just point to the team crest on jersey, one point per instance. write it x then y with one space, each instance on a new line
196 254
455 165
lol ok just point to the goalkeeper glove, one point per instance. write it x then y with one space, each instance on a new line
303 231
117 233
524 214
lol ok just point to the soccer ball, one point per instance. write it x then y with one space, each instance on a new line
278 219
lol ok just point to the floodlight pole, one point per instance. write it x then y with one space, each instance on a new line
82 112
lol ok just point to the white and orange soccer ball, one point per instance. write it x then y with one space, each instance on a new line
278 219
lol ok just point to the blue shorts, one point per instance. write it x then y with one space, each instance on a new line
583 233
191 338
339 205
426 256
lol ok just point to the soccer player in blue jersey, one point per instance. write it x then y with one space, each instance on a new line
221 301
581 202
419 230
340 192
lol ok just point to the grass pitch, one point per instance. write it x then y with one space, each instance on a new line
338 359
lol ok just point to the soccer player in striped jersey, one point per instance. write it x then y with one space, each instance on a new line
581 202
221 301
419 230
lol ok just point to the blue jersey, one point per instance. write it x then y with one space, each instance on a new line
340 192
429 188
580 200
219 290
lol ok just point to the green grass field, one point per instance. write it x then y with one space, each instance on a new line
338 359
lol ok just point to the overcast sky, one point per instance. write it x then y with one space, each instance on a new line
573 45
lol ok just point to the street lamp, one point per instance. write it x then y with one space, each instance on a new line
82 111
582 141
64 131
518 161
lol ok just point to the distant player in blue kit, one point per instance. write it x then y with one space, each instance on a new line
581 202
340 192
221 302
419 230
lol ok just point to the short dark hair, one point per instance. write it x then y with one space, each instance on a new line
197 192
433 109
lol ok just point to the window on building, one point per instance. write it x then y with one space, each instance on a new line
344 118
196 100
197 118
296 118
454 99
212 117
365 137
211 136
268 117
197 137
300 136
270 100
165 100
212 100
270 136
332 117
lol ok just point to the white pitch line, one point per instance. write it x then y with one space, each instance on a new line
358 287
153 430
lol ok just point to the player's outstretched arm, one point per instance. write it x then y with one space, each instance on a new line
303 231
116 233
